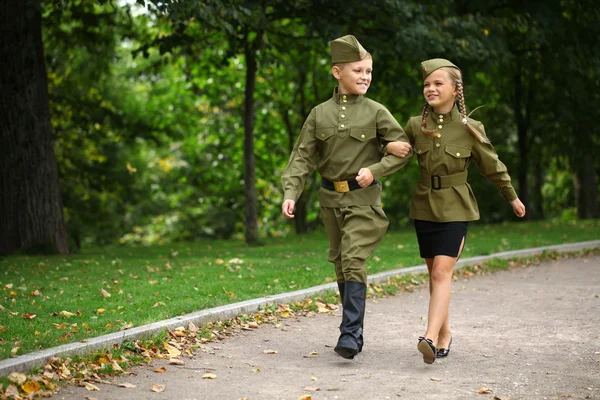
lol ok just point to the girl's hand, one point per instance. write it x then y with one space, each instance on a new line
518 207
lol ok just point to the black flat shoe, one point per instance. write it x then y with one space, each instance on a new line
444 352
428 350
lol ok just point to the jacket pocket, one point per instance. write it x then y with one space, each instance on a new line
458 151
363 134
324 133
422 148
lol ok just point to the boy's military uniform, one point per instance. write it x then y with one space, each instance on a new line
341 136
442 193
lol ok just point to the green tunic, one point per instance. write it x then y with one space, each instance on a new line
341 136
449 156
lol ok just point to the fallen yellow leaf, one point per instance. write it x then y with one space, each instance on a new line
127 385
173 352
270 351
158 388
104 293
28 316
66 314
91 387
17 377
209 376
483 391
30 387
160 370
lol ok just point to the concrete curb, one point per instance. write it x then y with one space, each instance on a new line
28 361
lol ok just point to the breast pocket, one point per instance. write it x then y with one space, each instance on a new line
363 134
421 148
324 134
458 157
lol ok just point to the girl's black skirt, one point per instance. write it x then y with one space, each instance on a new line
440 238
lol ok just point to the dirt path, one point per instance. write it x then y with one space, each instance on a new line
531 333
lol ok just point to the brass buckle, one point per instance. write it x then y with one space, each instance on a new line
341 186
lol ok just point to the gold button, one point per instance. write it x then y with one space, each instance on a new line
344 97
322 135
343 115
342 125
419 151
438 135
439 127
457 154
362 136
343 108
437 145
441 117
345 101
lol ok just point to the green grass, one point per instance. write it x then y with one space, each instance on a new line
147 284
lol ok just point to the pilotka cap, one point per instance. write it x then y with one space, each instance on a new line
347 49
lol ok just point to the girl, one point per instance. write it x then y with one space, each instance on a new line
445 141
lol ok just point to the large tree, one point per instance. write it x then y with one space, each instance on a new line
31 215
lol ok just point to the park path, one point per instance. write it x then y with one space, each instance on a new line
525 333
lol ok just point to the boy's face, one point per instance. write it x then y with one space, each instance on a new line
354 77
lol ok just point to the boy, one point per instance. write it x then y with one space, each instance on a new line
344 137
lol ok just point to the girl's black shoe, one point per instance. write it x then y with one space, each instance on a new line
428 350
444 352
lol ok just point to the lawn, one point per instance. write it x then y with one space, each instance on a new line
51 300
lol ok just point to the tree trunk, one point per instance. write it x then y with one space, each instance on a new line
522 128
31 216
538 203
586 189
251 208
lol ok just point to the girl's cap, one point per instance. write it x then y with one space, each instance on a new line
347 49
427 67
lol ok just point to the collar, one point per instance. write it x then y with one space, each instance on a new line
346 98
453 115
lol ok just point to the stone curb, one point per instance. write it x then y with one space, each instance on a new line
26 362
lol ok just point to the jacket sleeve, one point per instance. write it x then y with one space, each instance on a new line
389 130
490 165
302 160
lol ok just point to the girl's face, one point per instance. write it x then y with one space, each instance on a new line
354 77
440 91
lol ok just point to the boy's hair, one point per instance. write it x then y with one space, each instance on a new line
456 77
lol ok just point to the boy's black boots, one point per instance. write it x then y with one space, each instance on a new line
353 302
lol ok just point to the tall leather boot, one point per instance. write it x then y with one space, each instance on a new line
353 302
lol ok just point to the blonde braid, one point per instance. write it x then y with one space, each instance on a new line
424 115
462 109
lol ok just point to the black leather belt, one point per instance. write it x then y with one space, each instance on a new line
343 186
437 182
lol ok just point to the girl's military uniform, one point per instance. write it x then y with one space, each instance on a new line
443 193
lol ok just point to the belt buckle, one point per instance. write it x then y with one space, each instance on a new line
341 186
436 182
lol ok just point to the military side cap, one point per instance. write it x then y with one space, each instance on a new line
427 67
347 49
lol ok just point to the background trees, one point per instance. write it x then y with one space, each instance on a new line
174 121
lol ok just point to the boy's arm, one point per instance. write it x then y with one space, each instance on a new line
301 162
389 130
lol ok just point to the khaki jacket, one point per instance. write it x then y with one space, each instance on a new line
451 154
341 136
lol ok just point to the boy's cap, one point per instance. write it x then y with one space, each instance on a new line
347 49
427 67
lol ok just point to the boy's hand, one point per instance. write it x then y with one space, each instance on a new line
364 177
398 149
287 208
518 207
